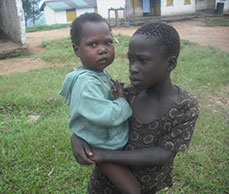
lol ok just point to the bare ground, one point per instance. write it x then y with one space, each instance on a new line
194 30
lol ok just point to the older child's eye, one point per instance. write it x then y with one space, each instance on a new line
130 59
143 60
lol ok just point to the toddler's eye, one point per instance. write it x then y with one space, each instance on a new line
93 44
109 43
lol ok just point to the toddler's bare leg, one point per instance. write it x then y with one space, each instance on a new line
121 177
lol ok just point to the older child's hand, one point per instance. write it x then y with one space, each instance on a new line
81 150
117 89
97 155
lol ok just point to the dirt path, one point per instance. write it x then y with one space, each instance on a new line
194 30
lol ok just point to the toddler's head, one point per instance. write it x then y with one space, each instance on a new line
92 41
77 24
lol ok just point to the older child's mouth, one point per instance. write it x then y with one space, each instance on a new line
135 81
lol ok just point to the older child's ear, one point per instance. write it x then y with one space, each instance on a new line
172 63
76 49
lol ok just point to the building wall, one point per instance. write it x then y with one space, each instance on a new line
201 4
137 8
12 22
178 8
205 4
82 11
103 7
61 17
50 16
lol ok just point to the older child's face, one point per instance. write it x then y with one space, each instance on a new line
147 66
96 50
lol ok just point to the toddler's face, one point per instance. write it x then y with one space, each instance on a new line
147 66
96 50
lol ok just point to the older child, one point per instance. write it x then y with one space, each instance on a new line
97 116
164 115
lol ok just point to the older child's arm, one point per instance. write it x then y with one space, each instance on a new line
143 157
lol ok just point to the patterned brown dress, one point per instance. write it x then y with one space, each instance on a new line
172 131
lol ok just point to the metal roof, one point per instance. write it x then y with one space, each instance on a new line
68 4
58 5
80 3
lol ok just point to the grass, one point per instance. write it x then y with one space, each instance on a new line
42 27
218 21
35 157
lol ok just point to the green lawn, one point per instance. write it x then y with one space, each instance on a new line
222 21
43 27
35 157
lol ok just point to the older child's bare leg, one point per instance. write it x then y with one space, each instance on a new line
121 177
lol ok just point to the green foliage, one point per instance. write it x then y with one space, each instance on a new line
31 10
36 157
219 21
42 27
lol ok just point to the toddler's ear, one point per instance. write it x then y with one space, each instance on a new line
76 49
172 63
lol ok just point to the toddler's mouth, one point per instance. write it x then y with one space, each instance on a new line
103 60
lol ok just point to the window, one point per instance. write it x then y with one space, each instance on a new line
187 1
169 2
135 3
71 15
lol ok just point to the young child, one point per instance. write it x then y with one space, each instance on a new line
98 116
164 115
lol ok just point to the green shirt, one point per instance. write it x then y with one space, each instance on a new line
96 116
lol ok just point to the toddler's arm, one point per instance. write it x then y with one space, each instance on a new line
117 89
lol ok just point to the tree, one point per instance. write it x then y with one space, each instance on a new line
31 10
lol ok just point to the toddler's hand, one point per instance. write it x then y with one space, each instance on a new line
81 150
117 89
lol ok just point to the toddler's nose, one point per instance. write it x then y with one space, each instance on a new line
102 50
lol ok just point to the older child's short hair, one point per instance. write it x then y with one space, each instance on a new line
77 24
166 37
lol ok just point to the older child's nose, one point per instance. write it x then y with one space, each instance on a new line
133 68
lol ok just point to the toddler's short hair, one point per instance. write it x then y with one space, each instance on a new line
76 26
166 37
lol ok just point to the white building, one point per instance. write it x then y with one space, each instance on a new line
166 7
104 5
177 7
65 11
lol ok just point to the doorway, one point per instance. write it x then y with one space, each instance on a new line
151 7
